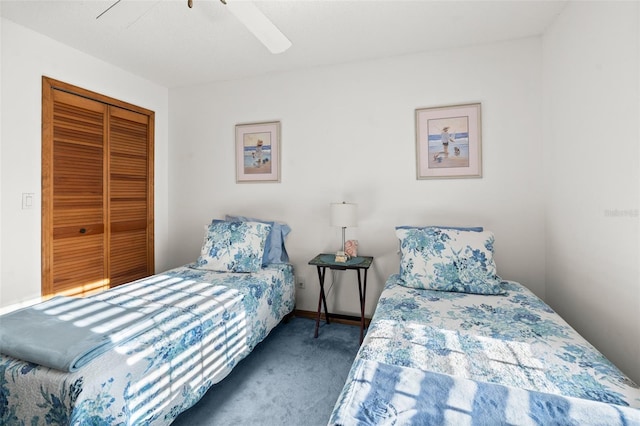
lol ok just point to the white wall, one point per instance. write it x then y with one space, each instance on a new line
348 135
591 145
27 56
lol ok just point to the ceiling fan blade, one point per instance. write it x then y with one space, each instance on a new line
108 9
259 25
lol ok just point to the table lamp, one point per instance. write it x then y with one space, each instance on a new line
343 215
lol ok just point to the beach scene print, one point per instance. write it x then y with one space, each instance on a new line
257 153
448 142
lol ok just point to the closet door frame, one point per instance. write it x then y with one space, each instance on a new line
49 85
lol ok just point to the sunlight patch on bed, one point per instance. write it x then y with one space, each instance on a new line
518 403
155 380
106 322
67 309
206 359
461 404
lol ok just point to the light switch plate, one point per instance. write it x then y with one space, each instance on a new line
27 200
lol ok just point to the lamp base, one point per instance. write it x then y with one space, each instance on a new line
341 257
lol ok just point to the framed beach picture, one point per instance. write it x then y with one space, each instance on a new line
448 142
258 152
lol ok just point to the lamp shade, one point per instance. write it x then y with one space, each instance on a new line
344 215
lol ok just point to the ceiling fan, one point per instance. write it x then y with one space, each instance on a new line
252 18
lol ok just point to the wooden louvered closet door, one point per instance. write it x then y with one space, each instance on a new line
129 198
97 191
78 244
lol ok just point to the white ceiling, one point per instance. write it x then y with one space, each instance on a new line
166 42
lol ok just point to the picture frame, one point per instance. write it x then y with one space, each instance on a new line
449 142
258 152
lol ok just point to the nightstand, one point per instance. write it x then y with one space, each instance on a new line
325 261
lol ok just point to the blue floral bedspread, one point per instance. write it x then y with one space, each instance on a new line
435 357
206 323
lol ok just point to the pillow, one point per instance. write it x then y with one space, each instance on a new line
448 260
275 250
233 246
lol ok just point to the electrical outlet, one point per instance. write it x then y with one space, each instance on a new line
301 284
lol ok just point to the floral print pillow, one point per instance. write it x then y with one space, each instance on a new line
233 246
448 260
274 249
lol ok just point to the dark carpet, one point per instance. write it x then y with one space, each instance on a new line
289 379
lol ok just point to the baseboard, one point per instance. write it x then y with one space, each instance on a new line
337 318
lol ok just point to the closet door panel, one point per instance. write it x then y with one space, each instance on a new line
126 264
78 266
129 171
78 195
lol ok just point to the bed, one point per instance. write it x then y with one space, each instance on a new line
170 337
452 343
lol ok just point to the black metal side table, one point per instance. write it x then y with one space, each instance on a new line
325 261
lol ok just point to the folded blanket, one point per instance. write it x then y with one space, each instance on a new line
66 333
383 394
